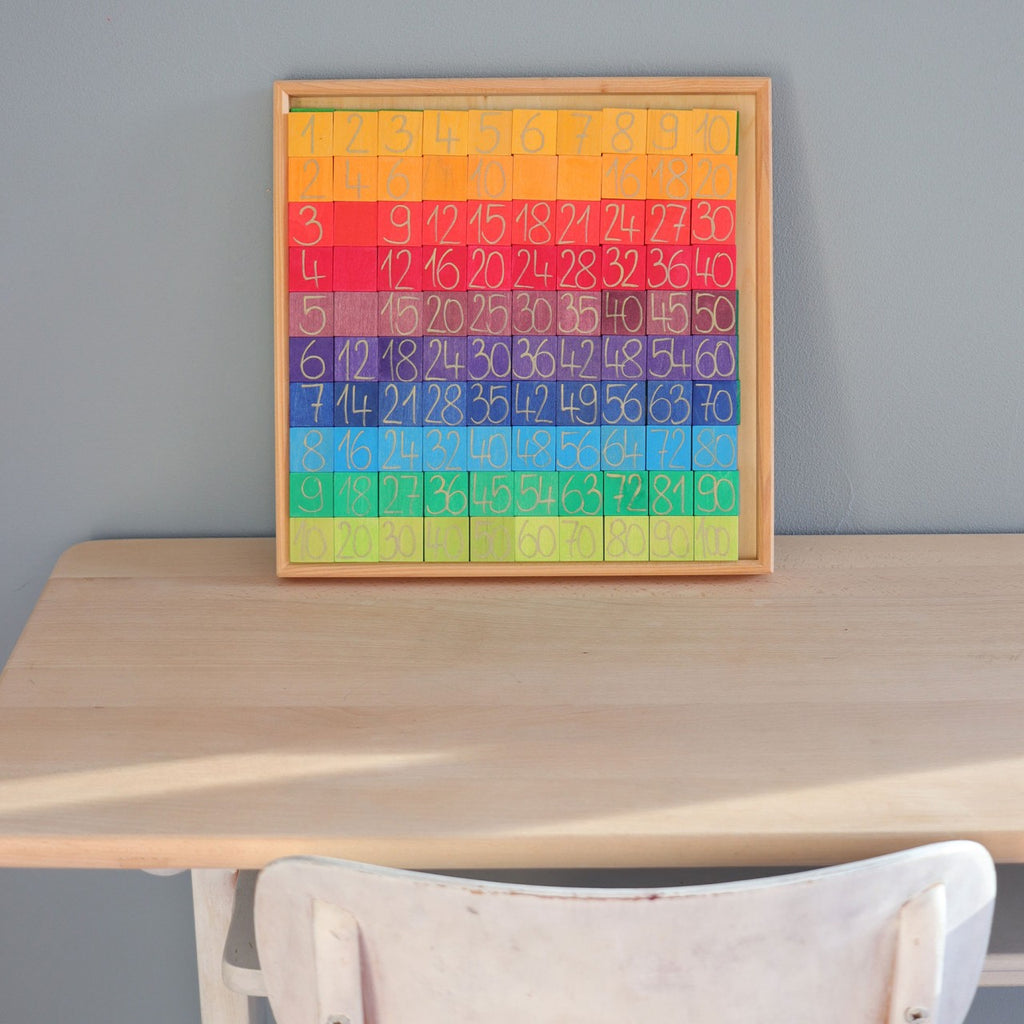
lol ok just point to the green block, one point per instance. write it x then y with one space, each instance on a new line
446 539
716 494
580 493
446 494
536 493
671 493
492 539
626 494
492 494
310 495
401 494
355 495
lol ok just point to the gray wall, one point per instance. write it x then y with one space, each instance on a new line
135 273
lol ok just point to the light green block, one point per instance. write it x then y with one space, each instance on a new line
311 540
492 539
626 539
536 538
446 539
716 538
580 539
356 539
671 539
401 539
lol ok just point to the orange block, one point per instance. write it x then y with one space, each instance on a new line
579 132
714 177
490 177
579 177
309 133
445 177
669 177
355 133
535 131
670 132
400 179
623 130
355 179
310 179
400 132
534 177
490 132
624 176
445 132
715 131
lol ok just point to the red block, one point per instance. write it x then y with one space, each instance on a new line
311 224
489 267
533 221
399 223
714 221
444 268
714 266
310 269
578 222
669 267
444 222
623 266
355 223
667 222
622 221
399 268
355 268
534 267
489 222
579 268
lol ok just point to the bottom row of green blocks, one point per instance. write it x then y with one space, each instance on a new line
515 539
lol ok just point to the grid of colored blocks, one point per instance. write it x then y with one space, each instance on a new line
513 335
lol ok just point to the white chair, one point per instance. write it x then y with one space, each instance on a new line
893 940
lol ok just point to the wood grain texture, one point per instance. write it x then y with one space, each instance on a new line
174 703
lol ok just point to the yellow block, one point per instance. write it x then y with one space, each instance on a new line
670 132
355 133
310 179
623 130
400 132
310 133
714 131
355 179
445 132
579 177
535 131
490 132
445 177
534 177
579 132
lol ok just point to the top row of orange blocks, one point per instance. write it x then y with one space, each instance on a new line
510 132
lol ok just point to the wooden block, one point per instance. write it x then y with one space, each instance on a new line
446 539
489 448
670 132
534 357
489 222
669 267
670 403
400 449
401 359
669 358
310 133
670 177
400 404
444 403
399 314
671 493
534 267
714 358
491 494
713 221
401 539
623 130
445 313
355 495
400 495
715 131
624 177
623 266
579 405
355 223
309 359
623 312
310 269
356 359
445 132
667 222
626 494
444 268
310 313
580 539
492 539
445 494
623 403
311 224
489 358
311 494
533 403
534 176
490 132
445 449
311 540
399 268
536 494
579 358
310 179
534 131
445 177
581 494
488 268
579 314
716 402
578 222
355 268
356 540
579 177
714 177
400 179
444 222
622 221
577 448
311 405
355 449
624 357
716 494
716 538
714 448
490 177
355 180
444 359
533 222
356 314
671 538
356 404
715 312
714 267
355 133
489 405
399 223
626 538
533 312
536 538
668 448
579 132
400 133
533 448
623 448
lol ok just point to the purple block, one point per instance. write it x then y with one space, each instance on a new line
490 313
534 312
715 358
534 357
623 312
444 358
356 358
579 313
668 312
355 314
715 313
445 313
309 359
399 314
489 358
669 357
401 359
624 357
310 314
579 358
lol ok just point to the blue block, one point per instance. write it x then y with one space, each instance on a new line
623 447
623 403
533 448
670 403
311 405
399 404
445 448
578 448
489 404
668 448
533 403
309 449
355 449
716 402
444 405
400 449
355 404
714 448
579 404
489 448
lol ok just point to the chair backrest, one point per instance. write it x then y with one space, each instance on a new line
890 940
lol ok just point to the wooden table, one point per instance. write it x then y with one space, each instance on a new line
172 704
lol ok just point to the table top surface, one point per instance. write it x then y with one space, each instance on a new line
172 703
